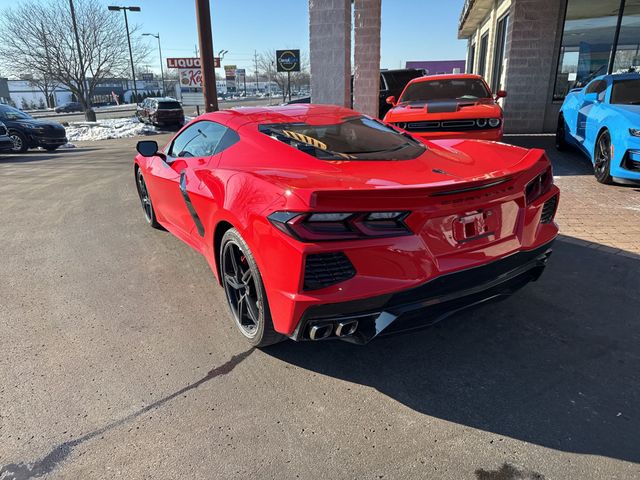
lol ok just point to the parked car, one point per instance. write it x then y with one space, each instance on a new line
160 111
6 144
27 132
448 106
603 121
320 222
68 107
392 82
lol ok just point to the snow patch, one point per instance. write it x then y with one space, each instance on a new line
108 129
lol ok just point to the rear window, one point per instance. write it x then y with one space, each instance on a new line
626 92
454 89
169 105
355 138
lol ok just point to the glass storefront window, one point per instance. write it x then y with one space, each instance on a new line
589 30
628 51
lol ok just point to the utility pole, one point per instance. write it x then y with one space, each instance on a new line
89 114
255 59
203 17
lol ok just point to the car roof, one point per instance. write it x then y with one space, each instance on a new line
618 76
163 99
314 114
446 76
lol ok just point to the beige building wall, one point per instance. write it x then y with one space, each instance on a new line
366 57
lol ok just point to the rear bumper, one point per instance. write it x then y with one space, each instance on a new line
428 303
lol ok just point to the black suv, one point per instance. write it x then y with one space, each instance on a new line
27 132
392 82
160 111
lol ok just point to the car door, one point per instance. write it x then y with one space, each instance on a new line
596 86
175 180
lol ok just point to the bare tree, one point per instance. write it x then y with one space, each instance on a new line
267 66
38 37
47 87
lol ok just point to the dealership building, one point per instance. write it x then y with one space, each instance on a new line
537 50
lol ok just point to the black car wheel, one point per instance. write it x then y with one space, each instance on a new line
145 200
19 142
245 291
602 159
561 139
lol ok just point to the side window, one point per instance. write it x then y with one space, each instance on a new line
198 140
597 86
602 94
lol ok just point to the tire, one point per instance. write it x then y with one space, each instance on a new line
602 158
245 291
561 132
145 200
19 142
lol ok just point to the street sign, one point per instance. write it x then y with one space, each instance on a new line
288 60
192 62
230 77
147 77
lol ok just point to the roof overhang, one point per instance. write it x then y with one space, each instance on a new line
473 13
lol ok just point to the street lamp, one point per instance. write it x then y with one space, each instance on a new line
114 8
222 53
157 36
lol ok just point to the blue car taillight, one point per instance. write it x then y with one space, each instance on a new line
312 227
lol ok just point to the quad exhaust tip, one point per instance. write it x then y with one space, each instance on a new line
347 327
343 328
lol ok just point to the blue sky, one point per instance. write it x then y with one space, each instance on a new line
411 29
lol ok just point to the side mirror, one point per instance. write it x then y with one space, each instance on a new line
147 148
501 93
591 97
391 100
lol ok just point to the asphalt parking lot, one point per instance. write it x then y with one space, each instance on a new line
120 360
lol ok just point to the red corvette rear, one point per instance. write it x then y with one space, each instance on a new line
448 106
322 223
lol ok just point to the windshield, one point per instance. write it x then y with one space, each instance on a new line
626 92
356 138
168 105
453 89
10 113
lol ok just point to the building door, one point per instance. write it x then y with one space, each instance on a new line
500 54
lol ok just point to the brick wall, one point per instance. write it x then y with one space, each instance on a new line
532 45
366 74
330 51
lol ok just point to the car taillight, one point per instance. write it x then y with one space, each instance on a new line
539 186
313 227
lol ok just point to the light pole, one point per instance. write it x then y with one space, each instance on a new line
114 8
157 36
203 19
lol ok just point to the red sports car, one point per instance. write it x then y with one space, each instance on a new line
448 106
321 223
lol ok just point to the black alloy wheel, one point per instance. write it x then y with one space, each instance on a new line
602 159
145 200
561 139
245 291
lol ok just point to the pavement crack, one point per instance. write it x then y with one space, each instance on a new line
46 464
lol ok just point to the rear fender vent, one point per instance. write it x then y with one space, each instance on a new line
326 269
549 210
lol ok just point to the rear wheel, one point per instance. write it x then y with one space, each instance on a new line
561 132
145 200
602 159
19 142
245 291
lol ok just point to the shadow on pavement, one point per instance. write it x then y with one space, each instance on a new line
39 155
557 364
566 163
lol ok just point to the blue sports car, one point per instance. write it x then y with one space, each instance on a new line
603 120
